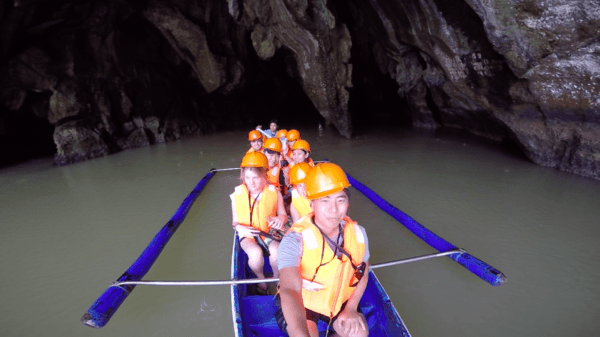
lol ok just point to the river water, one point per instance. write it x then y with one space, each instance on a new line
67 232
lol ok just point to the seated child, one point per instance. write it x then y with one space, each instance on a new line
256 141
300 153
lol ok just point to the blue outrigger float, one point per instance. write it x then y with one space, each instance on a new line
254 315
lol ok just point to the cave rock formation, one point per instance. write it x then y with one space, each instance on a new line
108 76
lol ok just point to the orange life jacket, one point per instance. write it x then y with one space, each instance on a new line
300 203
265 207
337 275
273 175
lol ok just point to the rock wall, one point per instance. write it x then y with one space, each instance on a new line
319 43
115 75
523 70
120 75
553 47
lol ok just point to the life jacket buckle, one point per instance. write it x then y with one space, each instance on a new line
359 272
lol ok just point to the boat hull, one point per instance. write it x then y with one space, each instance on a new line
254 315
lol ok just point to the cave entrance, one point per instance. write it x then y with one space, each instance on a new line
374 100
24 135
276 93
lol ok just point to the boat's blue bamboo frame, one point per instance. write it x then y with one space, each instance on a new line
106 305
473 264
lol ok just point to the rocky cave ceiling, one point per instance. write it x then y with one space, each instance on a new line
82 79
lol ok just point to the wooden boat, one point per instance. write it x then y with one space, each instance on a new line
254 315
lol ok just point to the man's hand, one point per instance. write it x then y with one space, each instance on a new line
275 222
259 127
351 322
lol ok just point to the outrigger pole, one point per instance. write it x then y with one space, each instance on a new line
238 168
273 279
473 264
105 306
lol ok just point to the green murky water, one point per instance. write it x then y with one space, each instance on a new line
67 232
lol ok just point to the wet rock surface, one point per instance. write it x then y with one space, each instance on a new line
117 75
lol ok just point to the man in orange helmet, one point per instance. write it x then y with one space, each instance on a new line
256 141
292 136
323 262
272 149
300 151
282 135
272 132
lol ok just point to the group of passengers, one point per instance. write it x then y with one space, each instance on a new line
322 259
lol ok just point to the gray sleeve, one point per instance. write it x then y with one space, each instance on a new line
290 250
267 133
264 132
367 252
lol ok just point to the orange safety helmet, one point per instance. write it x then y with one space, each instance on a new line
273 144
301 144
325 179
298 173
293 135
282 133
255 159
254 135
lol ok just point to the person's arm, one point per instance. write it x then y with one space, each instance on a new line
289 160
294 212
284 148
278 221
234 213
263 132
290 290
286 177
349 319
281 208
